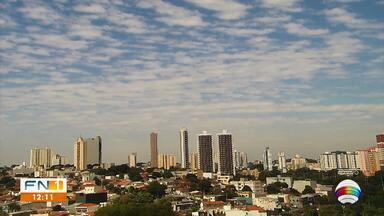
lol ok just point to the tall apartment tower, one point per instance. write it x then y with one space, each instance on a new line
184 148
267 156
241 160
40 157
166 161
205 152
282 162
132 159
380 149
226 154
87 151
194 161
153 145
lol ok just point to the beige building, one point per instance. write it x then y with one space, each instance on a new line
132 159
40 157
166 161
194 161
153 146
298 162
87 151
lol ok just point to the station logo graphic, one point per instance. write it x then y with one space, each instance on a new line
348 191
43 189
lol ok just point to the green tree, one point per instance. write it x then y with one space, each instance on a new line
161 207
309 211
57 208
308 190
205 185
97 181
156 189
329 210
14 207
273 189
139 197
8 181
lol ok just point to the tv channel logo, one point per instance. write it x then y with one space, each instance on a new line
348 191
43 189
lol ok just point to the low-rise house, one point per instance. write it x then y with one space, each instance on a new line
286 179
267 203
299 185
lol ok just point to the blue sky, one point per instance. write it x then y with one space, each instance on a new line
298 76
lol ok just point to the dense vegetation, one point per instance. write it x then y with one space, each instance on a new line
370 203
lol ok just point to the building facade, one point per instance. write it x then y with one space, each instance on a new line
267 157
153 146
338 160
40 157
132 159
241 159
87 151
166 161
282 162
184 153
205 152
194 161
225 148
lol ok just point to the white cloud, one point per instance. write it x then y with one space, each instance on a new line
171 14
300 29
351 20
39 12
226 9
84 29
282 5
126 22
90 8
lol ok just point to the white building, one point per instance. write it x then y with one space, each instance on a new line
241 159
184 153
299 185
282 162
267 203
338 160
40 157
256 186
287 180
132 160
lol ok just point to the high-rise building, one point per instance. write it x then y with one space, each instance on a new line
153 145
241 159
373 160
132 159
40 157
226 154
59 159
184 148
282 162
87 151
267 157
166 161
338 160
363 162
194 161
298 162
205 152
380 138
380 149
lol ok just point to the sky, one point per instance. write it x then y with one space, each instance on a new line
298 76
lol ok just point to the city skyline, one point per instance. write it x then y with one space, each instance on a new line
283 74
